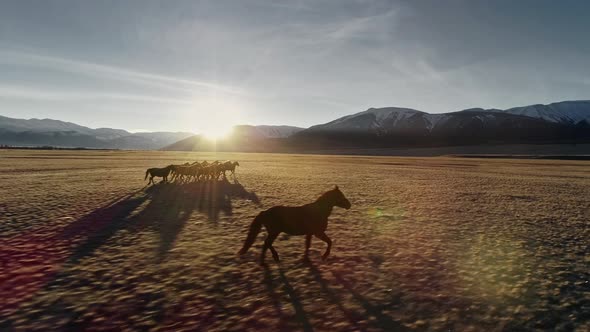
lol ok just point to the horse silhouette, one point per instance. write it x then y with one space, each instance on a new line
309 219
229 166
158 172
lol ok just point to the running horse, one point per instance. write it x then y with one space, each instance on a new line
158 172
230 166
309 220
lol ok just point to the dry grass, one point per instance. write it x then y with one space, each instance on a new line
429 244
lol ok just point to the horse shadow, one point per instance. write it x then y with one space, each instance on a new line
172 205
163 208
301 317
382 321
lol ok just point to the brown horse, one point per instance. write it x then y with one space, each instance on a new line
309 219
158 172
229 166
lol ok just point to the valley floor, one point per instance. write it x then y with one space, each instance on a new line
461 244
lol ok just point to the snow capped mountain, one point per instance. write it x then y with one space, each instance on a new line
396 120
373 119
395 127
41 125
567 121
66 134
570 112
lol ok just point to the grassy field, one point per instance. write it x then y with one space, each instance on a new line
429 244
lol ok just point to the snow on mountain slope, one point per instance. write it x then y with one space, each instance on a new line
60 133
393 119
435 119
371 119
41 125
570 112
278 131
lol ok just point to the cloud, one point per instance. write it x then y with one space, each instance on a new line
44 94
113 72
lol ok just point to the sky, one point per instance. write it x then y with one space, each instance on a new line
203 65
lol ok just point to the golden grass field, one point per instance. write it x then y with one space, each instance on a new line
429 244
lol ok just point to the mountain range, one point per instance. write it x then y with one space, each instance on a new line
562 122
48 132
392 119
388 127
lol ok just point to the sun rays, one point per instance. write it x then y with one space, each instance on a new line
214 118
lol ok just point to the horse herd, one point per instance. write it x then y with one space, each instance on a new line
195 171
309 219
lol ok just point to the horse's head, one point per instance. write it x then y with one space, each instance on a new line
236 163
338 198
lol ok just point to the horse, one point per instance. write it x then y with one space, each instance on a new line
230 166
212 171
186 172
175 173
158 172
309 220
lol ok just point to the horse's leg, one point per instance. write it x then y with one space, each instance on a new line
268 245
322 236
307 245
275 254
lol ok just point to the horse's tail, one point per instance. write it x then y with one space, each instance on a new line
146 174
255 227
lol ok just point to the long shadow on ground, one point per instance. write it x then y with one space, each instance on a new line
275 284
383 321
163 208
168 207
301 316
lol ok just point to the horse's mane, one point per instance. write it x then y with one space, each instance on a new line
325 196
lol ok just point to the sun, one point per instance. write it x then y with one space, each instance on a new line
217 132
214 118
218 125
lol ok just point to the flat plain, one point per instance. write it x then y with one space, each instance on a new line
429 244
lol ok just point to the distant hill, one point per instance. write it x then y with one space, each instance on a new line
266 131
36 132
399 127
566 112
393 119
243 138
375 128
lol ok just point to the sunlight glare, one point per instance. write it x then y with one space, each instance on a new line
219 122
217 131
